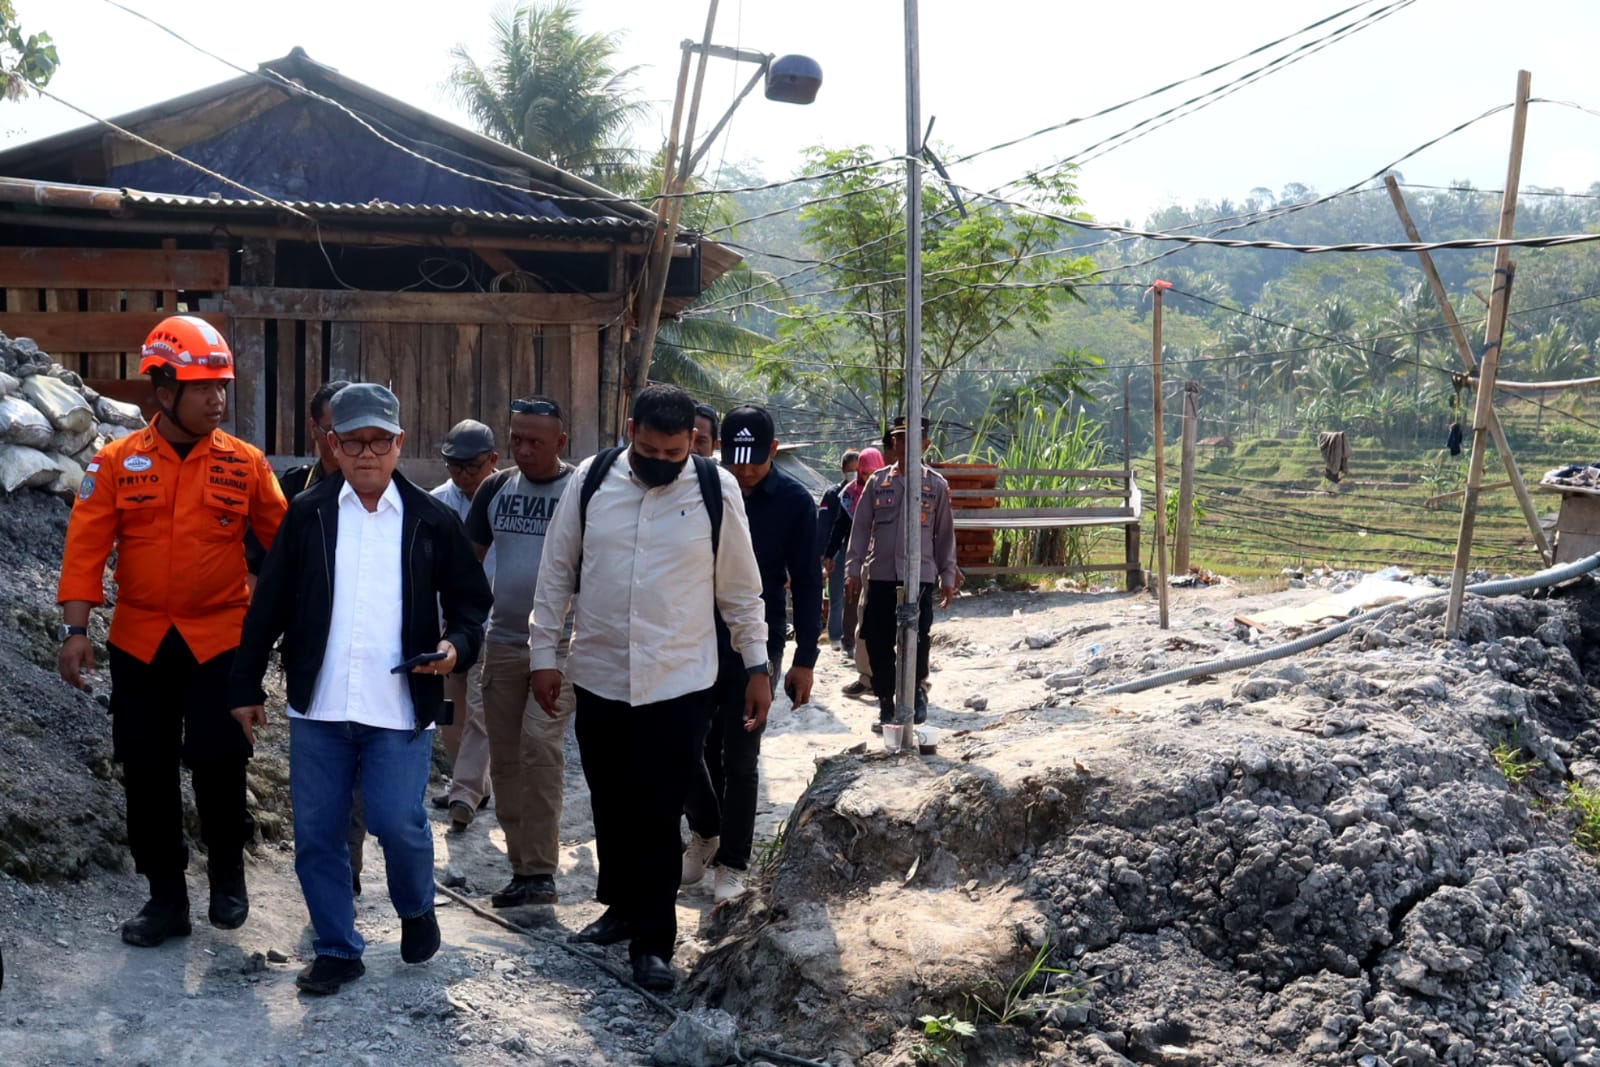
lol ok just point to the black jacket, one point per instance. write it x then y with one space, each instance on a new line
294 597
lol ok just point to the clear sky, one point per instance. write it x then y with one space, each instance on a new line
991 71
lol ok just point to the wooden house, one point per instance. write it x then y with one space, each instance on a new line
332 232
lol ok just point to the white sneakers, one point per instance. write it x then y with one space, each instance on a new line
696 857
729 885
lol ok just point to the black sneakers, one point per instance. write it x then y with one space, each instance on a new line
327 973
419 937
525 889
230 902
161 917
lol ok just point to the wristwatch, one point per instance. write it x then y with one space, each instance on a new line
760 668
63 632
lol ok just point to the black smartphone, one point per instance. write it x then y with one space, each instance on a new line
789 688
418 660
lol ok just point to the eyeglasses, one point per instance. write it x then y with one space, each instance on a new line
471 467
379 447
535 407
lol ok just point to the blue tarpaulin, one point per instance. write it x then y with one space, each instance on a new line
303 149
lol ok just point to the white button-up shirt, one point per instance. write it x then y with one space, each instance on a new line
364 642
643 628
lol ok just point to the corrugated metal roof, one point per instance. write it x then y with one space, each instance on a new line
380 208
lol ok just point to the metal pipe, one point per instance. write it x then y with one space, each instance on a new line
49 194
1502 587
908 609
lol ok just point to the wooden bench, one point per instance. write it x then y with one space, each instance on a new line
976 493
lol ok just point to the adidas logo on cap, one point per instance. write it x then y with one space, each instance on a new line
745 434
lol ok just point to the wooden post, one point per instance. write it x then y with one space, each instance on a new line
1159 289
1191 411
1464 349
1489 366
1130 532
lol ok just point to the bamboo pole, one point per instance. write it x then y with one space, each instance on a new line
1489 366
1159 289
1191 416
1530 511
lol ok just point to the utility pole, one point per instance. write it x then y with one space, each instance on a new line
1191 416
1464 349
907 610
1159 289
1489 366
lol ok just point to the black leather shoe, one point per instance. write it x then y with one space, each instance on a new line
230 902
654 974
442 802
327 973
606 930
526 889
158 920
419 937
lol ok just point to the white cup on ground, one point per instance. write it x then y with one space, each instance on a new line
891 736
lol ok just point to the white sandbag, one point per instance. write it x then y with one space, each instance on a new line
119 414
70 442
86 455
20 466
68 475
111 431
59 402
8 384
23 424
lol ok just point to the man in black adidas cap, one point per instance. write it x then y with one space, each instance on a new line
722 800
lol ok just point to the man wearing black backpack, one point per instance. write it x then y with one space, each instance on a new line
656 544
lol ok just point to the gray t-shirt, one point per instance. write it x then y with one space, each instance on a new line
511 513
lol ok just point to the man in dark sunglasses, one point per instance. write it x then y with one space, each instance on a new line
510 516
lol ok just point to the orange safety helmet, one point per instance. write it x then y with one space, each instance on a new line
189 348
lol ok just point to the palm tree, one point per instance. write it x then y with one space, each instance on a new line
553 92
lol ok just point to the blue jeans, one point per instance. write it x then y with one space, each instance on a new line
326 760
836 600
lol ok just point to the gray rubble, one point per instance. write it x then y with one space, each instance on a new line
1316 862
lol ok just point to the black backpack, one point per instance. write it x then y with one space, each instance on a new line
710 492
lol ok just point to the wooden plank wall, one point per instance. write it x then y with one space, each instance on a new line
441 373
90 308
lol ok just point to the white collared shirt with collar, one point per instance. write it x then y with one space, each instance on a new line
364 632
643 626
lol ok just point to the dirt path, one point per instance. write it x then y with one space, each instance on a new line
74 994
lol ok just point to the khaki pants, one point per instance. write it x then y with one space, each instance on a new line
525 754
467 738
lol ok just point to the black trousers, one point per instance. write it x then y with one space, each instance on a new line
639 762
878 631
174 710
723 792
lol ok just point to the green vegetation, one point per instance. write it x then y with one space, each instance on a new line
26 59
1509 757
1021 1001
943 1036
1585 803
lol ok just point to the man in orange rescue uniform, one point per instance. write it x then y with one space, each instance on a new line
174 500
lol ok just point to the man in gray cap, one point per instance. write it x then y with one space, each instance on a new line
377 595
470 458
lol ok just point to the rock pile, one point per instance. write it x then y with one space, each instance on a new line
51 424
1367 855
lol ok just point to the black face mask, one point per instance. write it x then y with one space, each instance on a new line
656 472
